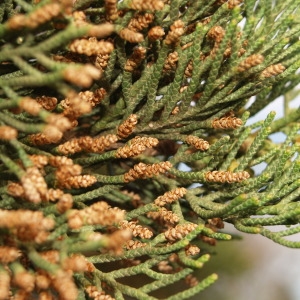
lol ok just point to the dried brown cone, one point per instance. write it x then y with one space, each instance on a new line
164 215
54 194
131 244
43 282
191 250
27 225
143 171
215 223
101 30
136 230
58 161
50 135
77 263
9 254
65 171
175 110
179 231
98 213
136 146
233 3
176 31
15 189
249 62
51 256
100 61
155 169
131 262
79 181
31 233
227 123
88 73
79 17
215 49
85 143
64 284
24 280
74 106
146 4
34 185
140 21
117 240
70 147
64 203
191 280
272 70
45 295
241 52
164 267
131 36
48 103
170 196
93 98
8 133
59 121
228 51
98 96
102 143
16 22
171 62
95 293
226 176
39 161
126 128
111 10
197 142
208 240
88 144
30 105
216 33
91 46
51 10
156 33
188 72
138 55
35 18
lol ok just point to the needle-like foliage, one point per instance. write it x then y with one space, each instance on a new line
124 144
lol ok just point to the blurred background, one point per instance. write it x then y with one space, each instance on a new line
252 268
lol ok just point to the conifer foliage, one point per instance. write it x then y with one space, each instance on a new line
101 104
